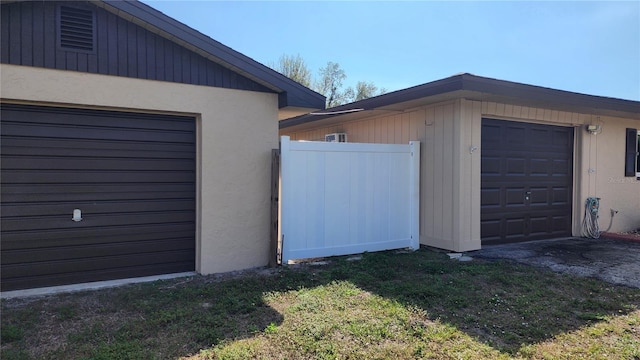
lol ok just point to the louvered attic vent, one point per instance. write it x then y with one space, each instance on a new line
76 29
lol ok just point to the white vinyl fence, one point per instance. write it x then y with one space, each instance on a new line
347 198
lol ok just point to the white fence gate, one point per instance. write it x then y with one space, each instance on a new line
347 198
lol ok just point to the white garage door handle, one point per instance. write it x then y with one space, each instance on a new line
77 215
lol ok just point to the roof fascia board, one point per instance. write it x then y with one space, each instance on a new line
545 95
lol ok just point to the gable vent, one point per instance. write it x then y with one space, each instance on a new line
76 28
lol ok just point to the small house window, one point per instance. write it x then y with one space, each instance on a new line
632 153
76 29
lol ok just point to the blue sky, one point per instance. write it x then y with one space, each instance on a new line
586 47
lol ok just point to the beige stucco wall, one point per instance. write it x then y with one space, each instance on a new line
450 172
607 180
236 131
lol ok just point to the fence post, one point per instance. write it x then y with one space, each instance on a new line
414 182
285 142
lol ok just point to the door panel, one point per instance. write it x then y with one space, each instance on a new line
133 177
526 181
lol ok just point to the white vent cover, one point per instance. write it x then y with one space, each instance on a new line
336 137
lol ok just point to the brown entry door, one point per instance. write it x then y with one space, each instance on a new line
527 177
130 176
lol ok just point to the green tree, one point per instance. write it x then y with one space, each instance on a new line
295 68
330 84
364 90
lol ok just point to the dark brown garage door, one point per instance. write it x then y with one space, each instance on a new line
526 181
131 175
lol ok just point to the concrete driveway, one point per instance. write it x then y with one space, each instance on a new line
614 261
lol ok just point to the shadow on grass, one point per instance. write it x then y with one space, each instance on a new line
502 304
164 319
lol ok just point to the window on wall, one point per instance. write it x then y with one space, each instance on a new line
632 153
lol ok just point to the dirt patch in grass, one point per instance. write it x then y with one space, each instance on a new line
386 305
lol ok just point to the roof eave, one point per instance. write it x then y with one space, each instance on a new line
474 87
446 85
548 96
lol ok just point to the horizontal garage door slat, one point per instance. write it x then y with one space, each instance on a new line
95 208
93 176
12 193
107 119
88 236
65 222
83 163
113 149
93 133
99 250
95 263
132 175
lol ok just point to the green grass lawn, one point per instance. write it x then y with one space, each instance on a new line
386 306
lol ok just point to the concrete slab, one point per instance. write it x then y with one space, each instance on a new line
614 261
88 286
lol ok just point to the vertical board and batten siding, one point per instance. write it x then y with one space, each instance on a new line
389 129
132 176
449 218
28 37
347 198
466 216
438 161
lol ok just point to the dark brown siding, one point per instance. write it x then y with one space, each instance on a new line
527 177
133 177
28 37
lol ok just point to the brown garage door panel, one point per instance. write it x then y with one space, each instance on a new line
93 133
97 250
96 222
82 148
132 175
526 181
66 266
12 193
90 236
80 118
83 163
95 208
94 176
